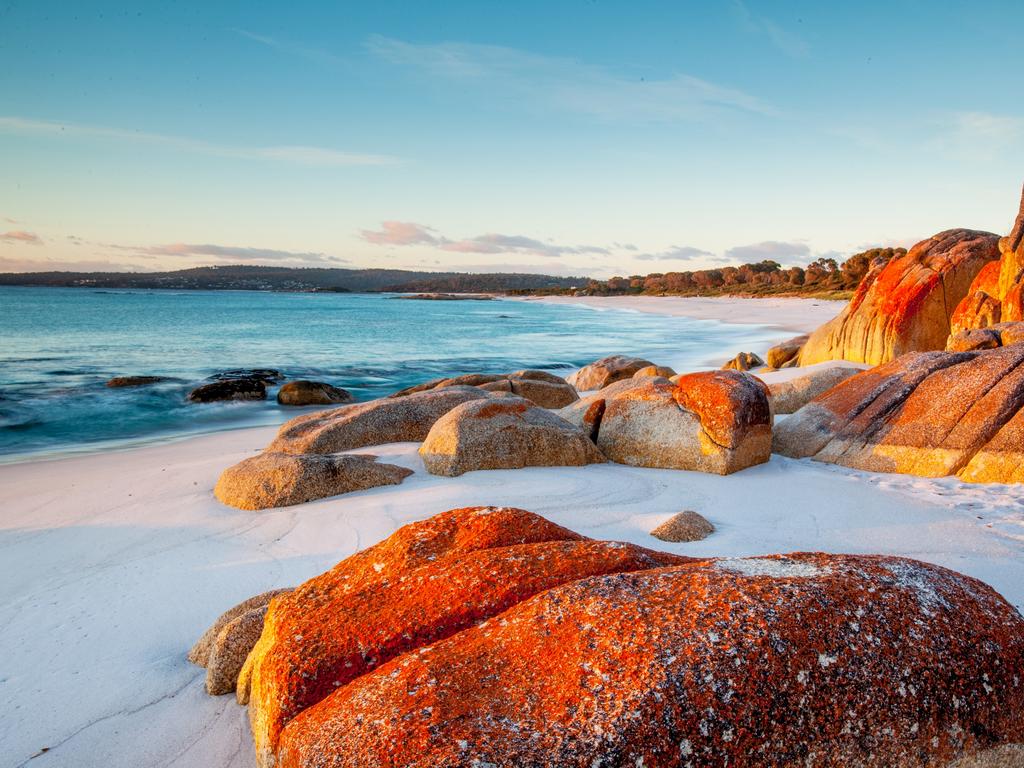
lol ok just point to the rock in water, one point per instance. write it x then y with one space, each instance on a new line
427 581
504 433
717 421
744 361
769 662
785 352
229 389
119 382
926 413
792 395
280 479
606 371
302 392
389 420
684 526
905 305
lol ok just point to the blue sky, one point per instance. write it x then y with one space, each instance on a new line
565 137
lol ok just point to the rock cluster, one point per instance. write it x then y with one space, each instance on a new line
490 636
925 413
905 305
607 370
542 388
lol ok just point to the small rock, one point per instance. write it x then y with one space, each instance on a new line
302 392
230 649
785 352
266 375
654 370
744 361
200 652
134 381
684 526
229 389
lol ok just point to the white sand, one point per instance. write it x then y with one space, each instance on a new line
796 315
112 565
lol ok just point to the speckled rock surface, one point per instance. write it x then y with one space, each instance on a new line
587 412
905 305
785 352
653 371
926 413
427 581
200 652
505 433
389 420
744 361
978 338
792 395
541 387
302 392
684 526
230 649
716 421
281 479
605 371
807 659
229 389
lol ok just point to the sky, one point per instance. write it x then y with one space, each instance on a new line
573 138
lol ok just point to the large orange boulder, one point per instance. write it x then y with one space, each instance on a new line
426 582
806 659
715 421
997 294
906 304
926 413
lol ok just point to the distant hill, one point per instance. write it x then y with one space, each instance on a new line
306 279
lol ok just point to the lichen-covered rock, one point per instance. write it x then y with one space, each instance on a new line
389 420
504 433
280 479
978 338
302 392
785 352
906 304
684 526
605 371
654 371
717 421
926 413
541 387
426 582
200 652
980 308
1009 333
773 662
229 389
792 395
744 361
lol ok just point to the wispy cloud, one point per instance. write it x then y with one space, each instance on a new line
677 253
295 154
523 77
783 39
233 253
20 236
769 249
409 233
287 46
62 265
981 134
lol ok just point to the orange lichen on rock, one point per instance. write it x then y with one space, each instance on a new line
427 582
728 403
806 659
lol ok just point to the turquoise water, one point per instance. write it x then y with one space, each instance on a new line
58 346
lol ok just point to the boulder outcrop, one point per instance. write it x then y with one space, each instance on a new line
925 413
120 382
229 389
388 420
793 394
607 370
274 479
426 582
831 660
744 361
504 433
906 304
541 387
654 371
717 421
785 353
302 392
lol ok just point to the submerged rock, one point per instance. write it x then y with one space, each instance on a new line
229 389
302 392
118 382
606 371
504 433
684 526
280 479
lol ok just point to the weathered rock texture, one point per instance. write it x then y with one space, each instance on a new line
280 479
806 659
786 352
990 337
792 395
504 433
654 371
541 387
390 420
587 412
302 392
906 304
717 421
229 389
605 371
200 652
925 413
997 294
426 582
684 526
744 361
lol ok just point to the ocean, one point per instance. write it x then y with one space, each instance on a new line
58 347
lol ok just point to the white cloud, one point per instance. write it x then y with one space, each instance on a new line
236 253
783 39
403 233
769 249
677 253
21 236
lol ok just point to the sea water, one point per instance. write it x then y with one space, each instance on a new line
58 347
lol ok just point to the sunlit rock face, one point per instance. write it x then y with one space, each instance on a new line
907 304
925 413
